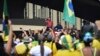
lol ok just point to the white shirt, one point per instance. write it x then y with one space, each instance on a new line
35 51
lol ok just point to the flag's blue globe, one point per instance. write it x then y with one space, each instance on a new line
70 6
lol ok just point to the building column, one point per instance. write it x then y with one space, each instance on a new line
29 9
57 17
38 11
62 21
47 12
54 17
78 23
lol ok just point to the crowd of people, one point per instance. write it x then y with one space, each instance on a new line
52 41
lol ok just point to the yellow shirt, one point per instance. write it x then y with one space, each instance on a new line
96 44
67 53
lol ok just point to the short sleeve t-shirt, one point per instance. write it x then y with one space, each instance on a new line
35 51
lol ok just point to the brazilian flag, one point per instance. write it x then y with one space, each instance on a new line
5 22
68 12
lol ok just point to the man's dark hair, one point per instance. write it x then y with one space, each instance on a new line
87 43
86 22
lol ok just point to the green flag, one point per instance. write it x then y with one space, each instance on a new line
68 12
4 23
5 10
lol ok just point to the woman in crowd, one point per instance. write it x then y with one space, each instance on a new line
88 50
40 50
6 51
